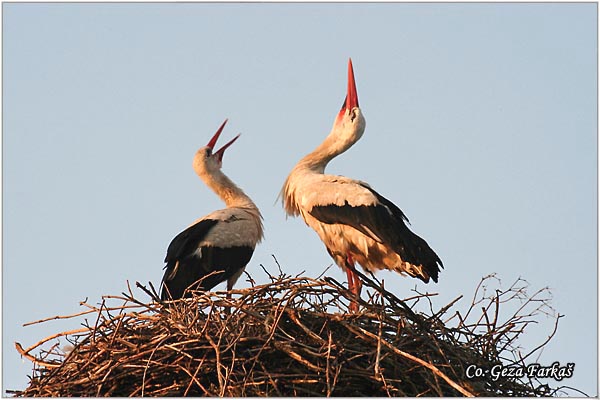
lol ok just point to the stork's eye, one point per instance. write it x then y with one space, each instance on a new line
208 152
352 115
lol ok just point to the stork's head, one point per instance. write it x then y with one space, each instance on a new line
350 123
208 160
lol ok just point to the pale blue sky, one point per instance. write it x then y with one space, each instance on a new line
481 127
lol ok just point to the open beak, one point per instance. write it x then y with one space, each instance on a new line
219 153
213 141
351 97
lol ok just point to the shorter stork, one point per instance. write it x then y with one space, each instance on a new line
218 246
356 223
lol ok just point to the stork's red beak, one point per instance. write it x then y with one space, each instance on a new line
219 153
351 97
215 137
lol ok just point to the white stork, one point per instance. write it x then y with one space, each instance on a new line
218 246
356 224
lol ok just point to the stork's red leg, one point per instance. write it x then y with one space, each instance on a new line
352 287
350 276
354 283
357 284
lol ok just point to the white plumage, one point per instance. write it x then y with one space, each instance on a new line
238 226
218 246
355 223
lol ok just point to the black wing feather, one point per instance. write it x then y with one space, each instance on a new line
186 269
387 223
186 242
203 273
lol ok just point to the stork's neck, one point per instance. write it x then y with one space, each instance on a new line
224 187
331 147
348 128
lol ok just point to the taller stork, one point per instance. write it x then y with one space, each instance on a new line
356 224
218 246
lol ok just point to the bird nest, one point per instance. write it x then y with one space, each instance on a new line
290 337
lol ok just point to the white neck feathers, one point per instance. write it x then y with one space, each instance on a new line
224 187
